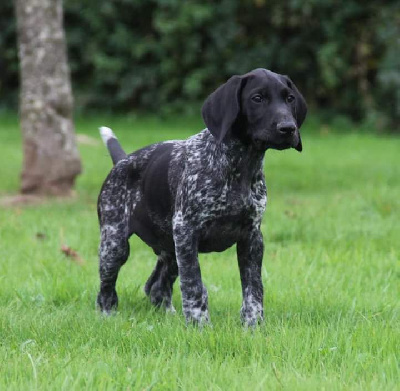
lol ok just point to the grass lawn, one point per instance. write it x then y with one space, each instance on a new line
331 277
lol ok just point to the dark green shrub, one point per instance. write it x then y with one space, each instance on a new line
169 54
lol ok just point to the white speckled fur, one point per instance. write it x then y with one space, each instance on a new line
203 194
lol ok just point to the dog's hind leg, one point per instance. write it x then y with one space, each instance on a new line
114 212
113 253
159 286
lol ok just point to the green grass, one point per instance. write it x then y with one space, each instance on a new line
331 276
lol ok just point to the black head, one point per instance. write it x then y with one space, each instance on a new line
261 108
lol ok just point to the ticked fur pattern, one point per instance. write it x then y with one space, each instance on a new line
218 196
203 194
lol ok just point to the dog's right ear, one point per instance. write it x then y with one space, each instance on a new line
222 107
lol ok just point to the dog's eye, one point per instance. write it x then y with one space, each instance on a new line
257 98
290 98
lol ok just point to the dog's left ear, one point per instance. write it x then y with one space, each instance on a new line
221 109
300 108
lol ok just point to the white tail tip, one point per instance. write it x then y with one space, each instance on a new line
106 134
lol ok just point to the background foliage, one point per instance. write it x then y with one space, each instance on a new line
170 54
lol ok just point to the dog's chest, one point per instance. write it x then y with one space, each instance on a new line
233 198
231 201
226 216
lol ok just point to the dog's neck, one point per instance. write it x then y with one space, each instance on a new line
245 160
242 161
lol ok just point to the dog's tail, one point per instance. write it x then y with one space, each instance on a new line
112 144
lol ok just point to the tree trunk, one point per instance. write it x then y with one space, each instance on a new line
51 158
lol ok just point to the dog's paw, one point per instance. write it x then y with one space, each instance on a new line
107 303
197 317
160 296
252 314
170 310
196 312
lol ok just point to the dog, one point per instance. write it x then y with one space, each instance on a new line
202 194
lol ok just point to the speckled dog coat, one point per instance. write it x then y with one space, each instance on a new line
202 194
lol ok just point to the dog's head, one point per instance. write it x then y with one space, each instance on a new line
261 108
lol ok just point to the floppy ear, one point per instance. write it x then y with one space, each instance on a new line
299 146
222 107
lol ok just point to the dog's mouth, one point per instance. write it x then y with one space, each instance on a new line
279 143
271 140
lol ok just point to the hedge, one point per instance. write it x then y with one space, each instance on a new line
170 54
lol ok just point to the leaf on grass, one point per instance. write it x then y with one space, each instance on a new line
70 253
41 236
290 214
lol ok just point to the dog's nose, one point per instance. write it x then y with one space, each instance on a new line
286 127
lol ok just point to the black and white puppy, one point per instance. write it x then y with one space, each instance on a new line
202 194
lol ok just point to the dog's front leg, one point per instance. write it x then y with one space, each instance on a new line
194 293
250 252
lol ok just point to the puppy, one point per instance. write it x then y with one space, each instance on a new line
202 194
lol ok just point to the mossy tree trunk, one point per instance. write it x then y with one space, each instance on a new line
51 158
